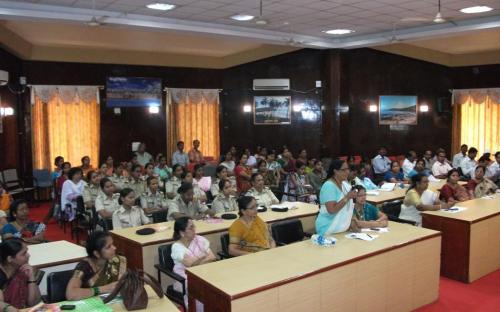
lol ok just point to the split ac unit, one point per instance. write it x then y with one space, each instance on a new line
271 84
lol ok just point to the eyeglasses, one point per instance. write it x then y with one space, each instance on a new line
344 169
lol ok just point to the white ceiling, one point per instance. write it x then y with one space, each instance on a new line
203 27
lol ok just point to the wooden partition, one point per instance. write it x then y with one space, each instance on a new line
399 271
470 246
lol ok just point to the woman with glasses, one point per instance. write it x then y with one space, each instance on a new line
336 200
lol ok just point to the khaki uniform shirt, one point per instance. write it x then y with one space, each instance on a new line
172 185
265 198
103 202
192 209
150 200
222 204
138 186
90 193
125 218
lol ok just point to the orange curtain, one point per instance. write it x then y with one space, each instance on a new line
193 114
476 119
65 121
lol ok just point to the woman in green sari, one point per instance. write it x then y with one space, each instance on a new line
99 272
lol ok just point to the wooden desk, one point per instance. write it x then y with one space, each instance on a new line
54 257
398 271
155 304
470 247
141 251
399 193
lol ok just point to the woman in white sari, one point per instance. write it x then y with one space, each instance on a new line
419 198
71 189
335 198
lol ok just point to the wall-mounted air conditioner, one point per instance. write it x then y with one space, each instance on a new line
271 84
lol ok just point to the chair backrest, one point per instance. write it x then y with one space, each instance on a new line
165 257
56 285
287 231
224 242
209 171
80 205
392 208
10 178
160 216
42 175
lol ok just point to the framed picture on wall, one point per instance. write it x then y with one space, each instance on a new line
272 110
398 109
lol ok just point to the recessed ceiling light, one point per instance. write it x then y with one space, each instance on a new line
161 6
242 17
476 9
338 31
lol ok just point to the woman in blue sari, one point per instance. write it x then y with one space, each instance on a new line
336 200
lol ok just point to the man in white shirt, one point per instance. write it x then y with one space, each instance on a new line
457 159
440 168
179 156
381 163
468 163
409 163
143 157
493 170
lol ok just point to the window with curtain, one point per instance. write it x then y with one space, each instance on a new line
476 119
65 121
193 114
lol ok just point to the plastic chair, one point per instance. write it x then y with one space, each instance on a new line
224 242
166 266
56 285
160 216
41 180
392 210
287 232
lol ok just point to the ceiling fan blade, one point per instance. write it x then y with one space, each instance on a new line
414 19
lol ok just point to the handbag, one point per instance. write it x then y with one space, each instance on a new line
131 289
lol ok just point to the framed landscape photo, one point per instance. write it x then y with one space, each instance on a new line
398 110
272 110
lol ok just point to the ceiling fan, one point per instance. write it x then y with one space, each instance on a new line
261 20
96 21
438 18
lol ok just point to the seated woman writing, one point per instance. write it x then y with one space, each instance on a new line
419 198
20 226
452 191
18 288
99 272
189 250
366 215
249 233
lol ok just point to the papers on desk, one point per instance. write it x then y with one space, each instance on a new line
433 179
362 236
379 229
488 197
372 193
454 209
289 205
387 187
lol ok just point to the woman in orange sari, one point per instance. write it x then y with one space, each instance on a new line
249 233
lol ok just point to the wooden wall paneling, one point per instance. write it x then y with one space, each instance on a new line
9 140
